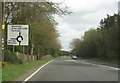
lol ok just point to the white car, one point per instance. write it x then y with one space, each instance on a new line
74 57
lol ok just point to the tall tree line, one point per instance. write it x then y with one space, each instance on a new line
101 42
43 35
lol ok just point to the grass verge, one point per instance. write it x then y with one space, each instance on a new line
12 71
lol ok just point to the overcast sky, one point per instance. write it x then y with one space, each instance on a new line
86 15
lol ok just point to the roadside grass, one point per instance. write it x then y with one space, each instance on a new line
12 71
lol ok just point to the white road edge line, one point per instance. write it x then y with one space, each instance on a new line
36 71
101 66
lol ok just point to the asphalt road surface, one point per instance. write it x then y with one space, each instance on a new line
66 69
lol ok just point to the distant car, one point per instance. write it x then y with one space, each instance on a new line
74 57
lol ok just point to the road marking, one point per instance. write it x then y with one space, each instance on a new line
105 66
36 71
70 60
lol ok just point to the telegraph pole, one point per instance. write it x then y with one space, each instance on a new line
0 31
3 28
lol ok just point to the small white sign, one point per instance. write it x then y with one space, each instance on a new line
17 34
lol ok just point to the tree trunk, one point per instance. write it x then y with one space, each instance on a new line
32 48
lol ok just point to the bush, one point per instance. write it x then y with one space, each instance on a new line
11 58
3 64
47 57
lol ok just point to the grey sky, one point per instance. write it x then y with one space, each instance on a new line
86 14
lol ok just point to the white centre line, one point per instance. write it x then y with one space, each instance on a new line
36 71
105 66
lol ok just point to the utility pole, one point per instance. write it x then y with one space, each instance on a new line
3 28
0 31
0 40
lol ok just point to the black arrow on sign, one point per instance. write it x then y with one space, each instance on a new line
19 37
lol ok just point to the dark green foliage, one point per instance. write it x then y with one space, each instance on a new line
101 42
11 58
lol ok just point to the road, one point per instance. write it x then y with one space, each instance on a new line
66 69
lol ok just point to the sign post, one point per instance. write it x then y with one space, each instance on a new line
17 35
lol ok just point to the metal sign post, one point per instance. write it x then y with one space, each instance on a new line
18 35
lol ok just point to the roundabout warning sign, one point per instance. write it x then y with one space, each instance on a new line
17 34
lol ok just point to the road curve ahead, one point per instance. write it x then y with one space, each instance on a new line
66 69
